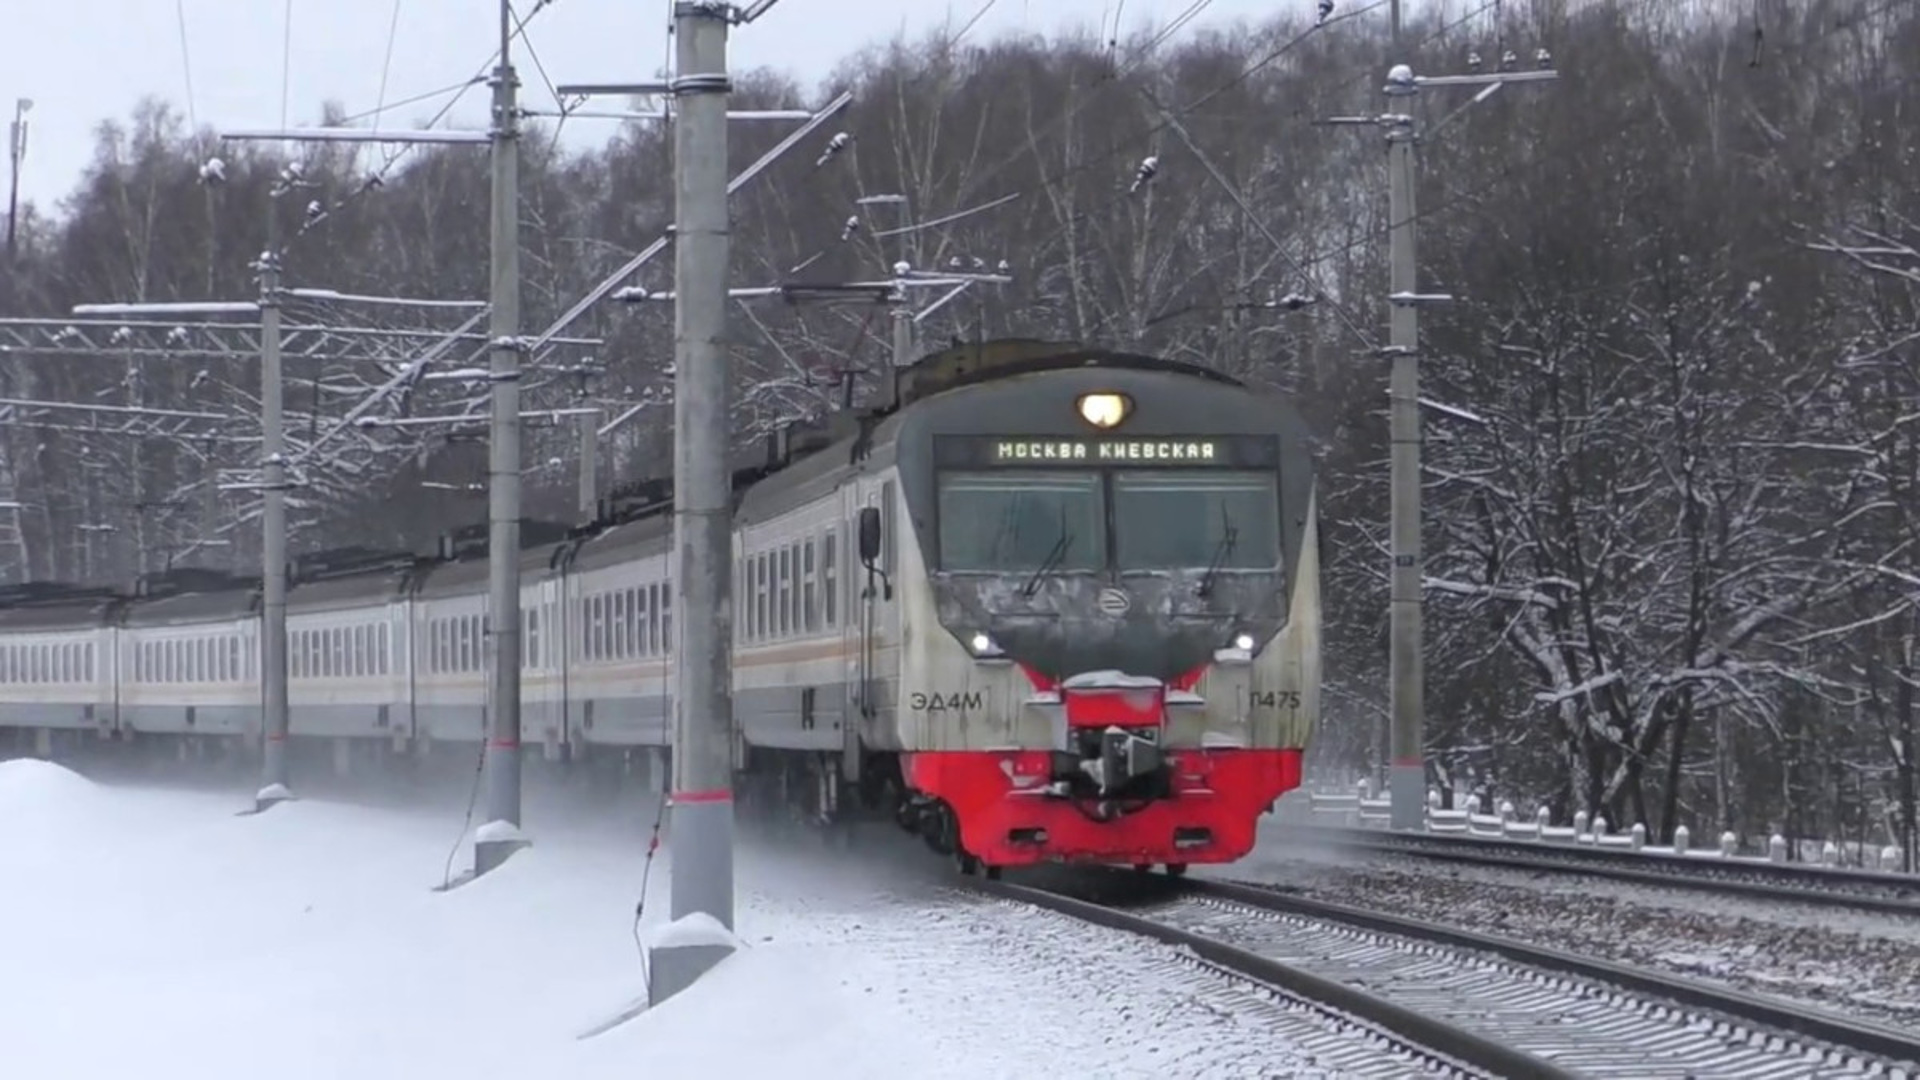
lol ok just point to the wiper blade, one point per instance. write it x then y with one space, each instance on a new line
1055 556
1228 536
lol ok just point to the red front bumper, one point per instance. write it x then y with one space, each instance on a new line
1218 797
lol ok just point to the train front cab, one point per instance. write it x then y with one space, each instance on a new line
1008 765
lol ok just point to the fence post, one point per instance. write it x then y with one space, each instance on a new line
1729 843
1777 848
1681 838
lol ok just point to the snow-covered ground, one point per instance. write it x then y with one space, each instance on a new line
155 934
1858 963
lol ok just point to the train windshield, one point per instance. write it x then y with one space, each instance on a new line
1021 521
1183 518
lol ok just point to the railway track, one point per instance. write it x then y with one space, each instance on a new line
1340 1028
1496 1006
1891 894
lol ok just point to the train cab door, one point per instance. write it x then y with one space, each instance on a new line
874 614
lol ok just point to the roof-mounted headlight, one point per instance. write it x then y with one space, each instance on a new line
984 646
1104 410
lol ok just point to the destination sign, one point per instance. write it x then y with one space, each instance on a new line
1024 451
1070 451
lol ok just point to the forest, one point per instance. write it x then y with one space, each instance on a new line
1672 412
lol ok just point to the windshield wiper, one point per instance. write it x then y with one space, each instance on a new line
1055 556
1228 536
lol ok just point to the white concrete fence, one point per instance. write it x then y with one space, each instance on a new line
1360 808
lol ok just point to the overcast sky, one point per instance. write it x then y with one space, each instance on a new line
83 61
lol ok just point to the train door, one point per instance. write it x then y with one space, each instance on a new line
544 670
874 617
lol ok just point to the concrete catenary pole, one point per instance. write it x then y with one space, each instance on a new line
1406 664
589 465
702 498
1407 781
273 525
503 475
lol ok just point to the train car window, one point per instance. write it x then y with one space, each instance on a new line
616 624
809 581
1182 518
632 624
666 617
649 619
603 626
760 597
1007 521
88 653
381 662
536 637
830 576
629 624
783 577
462 645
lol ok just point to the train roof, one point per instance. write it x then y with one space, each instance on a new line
191 595
351 577
53 606
462 561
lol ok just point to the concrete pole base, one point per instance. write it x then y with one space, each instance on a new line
1407 790
271 796
673 968
489 854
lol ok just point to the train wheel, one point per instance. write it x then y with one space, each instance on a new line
1176 869
1143 868
969 865
993 873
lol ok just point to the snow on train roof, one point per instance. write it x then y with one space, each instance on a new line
55 609
238 600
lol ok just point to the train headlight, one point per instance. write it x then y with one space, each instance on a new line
1104 410
983 645
1240 651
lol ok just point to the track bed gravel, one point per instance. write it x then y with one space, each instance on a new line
1853 963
